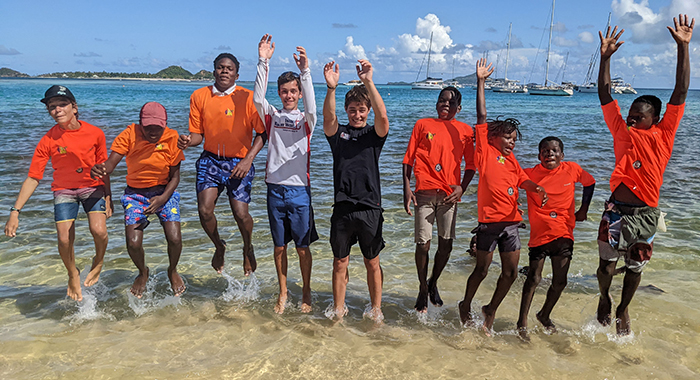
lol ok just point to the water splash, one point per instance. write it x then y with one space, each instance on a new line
246 291
331 314
374 314
157 295
88 308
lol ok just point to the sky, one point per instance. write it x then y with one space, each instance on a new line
146 36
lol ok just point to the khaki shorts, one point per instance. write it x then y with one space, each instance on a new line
430 208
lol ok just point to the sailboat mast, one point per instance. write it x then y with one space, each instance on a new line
430 47
549 46
505 76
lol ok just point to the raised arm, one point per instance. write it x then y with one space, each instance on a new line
682 31
482 72
381 120
330 120
608 45
265 51
307 88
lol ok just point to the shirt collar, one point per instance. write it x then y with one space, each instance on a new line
215 91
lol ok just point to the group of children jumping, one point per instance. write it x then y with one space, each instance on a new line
224 116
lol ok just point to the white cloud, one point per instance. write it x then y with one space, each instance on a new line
586 37
561 41
351 50
646 25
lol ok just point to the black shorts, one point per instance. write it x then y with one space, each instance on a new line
351 224
502 234
557 247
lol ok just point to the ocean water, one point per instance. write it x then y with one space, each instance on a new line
224 325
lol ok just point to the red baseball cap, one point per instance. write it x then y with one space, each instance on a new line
153 113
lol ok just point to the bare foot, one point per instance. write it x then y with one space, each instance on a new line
622 323
74 291
422 302
217 262
489 317
249 263
306 303
523 334
375 314
547 323
94 274
434 294
340 312
139 285
176 282
604 310
465 312
281 302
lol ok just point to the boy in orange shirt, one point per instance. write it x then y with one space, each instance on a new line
643 146
500 176
153 173
552 226
436 149
73 146
224 117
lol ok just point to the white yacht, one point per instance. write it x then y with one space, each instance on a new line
620 87
508 85
428 83
549 88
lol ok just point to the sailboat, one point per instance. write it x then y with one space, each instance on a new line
510 86
429 83
589 85
548 88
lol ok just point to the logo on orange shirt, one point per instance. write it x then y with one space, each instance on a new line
160 147
438 168
637 164
501 159
430 136
228 112
511 191
62 150
553 214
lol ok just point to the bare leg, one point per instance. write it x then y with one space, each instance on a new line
560 270
134 245
305 263
605 273
245 226
98 228
280 254
422 258
629 287
174 238
441 257
206 201
375 281
483 261
534 276
66 236
340 283
509 272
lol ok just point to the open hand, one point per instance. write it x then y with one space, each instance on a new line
609 44
364 70
241 169
301 60
98 171
543 195
156 203
682 31
265 48
482 70
332 74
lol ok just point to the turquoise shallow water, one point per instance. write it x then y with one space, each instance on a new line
224 326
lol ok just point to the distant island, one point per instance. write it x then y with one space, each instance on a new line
172 72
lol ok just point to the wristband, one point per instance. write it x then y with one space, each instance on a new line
15 209
331 88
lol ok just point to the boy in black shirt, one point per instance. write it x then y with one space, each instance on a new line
357 211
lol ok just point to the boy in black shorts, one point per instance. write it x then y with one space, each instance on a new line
357 212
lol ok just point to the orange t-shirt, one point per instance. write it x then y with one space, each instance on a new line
557 217
73 153
641 156
226 122
499 179
435 151
147 164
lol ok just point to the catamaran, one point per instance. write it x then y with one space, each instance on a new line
550 88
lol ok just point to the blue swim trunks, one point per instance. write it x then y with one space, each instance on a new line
65 202
290 214
135 203
215 171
